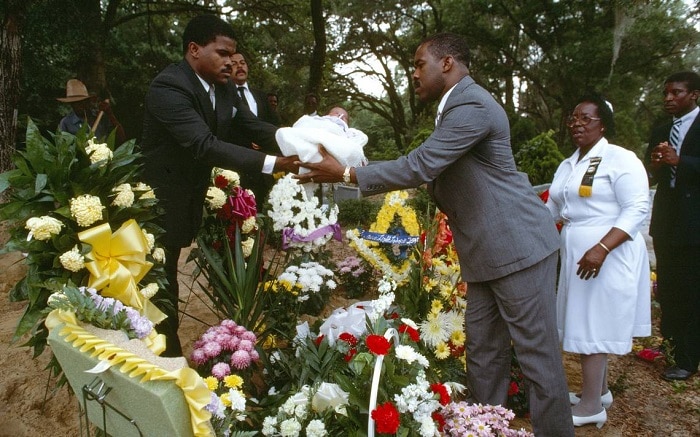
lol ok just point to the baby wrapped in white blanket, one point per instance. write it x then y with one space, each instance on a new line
332 132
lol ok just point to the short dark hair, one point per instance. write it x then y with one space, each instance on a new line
204 29
691 79
448 44
605 112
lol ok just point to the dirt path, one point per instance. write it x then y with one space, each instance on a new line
645 405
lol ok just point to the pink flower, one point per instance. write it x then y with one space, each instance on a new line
246 345
240 359
220 370
211 349
198 357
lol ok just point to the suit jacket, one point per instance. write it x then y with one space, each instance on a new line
675 216
184 137
265 111
499 224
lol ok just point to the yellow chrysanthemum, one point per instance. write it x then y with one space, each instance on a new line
211 382
458 338
442 351
233 381
226 399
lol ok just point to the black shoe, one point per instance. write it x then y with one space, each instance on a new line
676 374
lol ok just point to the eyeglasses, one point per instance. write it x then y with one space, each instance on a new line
583 120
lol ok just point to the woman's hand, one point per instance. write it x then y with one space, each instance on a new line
590 264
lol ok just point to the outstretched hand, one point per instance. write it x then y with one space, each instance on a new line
326 170
289 164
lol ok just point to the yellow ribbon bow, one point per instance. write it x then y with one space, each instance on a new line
118 263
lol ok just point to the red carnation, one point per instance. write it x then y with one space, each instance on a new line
513 389
220 182
412 333
378 344
439 419
386 418
441 390
348 338
318 340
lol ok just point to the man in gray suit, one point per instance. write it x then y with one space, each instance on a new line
188 128
506 241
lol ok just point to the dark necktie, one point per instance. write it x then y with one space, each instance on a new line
241 91
675 142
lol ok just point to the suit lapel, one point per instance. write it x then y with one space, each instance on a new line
691 137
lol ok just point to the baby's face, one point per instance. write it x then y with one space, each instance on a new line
340 113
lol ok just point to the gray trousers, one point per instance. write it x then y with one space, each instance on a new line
521 307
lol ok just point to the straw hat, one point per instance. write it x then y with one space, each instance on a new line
75 92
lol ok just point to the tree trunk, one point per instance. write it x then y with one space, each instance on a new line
318 57
10 66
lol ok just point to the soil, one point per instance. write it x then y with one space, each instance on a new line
645 405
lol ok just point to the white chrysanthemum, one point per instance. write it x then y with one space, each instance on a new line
147 191
72 260
269 426
406 353
159 255
42 228
86 209
434 331
215 198
124 197
98 151
149 290
237 399
231 176
316 428
247 247
150 239
290 428
249 225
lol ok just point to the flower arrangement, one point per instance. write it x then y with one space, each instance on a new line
103 312
386 242
79 213
355 274
303 222
463 419
389 382
222 350
310 283
229 253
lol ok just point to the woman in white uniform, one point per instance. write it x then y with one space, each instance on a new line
601 195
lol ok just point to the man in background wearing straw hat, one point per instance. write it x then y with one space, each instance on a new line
85 111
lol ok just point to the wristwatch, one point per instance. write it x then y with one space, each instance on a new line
346 175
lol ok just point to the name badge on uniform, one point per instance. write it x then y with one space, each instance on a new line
586 188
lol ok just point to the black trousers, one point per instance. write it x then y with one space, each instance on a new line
678 291
167 301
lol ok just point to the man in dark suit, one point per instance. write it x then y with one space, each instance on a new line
256 101
673 164
506 241
188 129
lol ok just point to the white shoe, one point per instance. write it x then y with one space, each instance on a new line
606 399
599 419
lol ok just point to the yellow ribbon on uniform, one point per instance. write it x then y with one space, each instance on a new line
117 264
